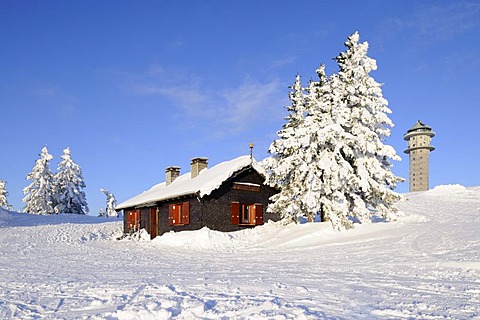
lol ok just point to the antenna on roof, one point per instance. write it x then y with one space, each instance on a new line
251 150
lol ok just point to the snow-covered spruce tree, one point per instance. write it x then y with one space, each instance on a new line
287 152
69 185
306 161
39 194
362 112
324 170
3 196
111 204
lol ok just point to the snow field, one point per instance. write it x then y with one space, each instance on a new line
424 265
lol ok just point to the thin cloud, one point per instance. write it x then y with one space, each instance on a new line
176 44
47 92
220 111
155 70
447 22
282 62
57 99
252 102
434 23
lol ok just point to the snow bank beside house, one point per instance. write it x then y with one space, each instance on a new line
424 265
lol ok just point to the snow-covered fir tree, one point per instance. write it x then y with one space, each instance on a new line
287 156
101 213
3 196
69 185
329 159
39 193
111 204
363 115
305 162
324 171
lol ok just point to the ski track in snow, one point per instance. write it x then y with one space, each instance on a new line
425 265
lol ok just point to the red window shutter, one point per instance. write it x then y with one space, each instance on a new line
186 212
171 217
235 210
258 213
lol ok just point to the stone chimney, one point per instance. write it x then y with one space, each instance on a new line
197 165
171 173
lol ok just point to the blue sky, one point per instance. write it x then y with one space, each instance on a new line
133 87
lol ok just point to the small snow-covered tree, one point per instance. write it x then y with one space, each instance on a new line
39 193
69 185
369 188
3 196
101 213
111 204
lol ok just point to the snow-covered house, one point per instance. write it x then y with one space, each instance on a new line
227 197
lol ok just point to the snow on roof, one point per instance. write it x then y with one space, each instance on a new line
207 180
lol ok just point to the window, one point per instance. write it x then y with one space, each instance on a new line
179 214
246 213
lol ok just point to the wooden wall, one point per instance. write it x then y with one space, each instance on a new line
216 207
195 216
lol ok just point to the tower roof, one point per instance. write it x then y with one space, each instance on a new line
418 129
419 126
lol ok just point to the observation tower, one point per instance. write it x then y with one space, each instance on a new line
419 137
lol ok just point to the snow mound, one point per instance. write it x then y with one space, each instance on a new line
447 190
272 235
141 235
204 238
66 228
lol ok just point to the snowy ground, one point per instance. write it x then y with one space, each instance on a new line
425 265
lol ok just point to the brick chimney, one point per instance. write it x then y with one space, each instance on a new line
171 173
197 165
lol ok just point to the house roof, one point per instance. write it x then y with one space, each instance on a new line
207 181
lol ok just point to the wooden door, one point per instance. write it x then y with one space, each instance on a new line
153 222
133 220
